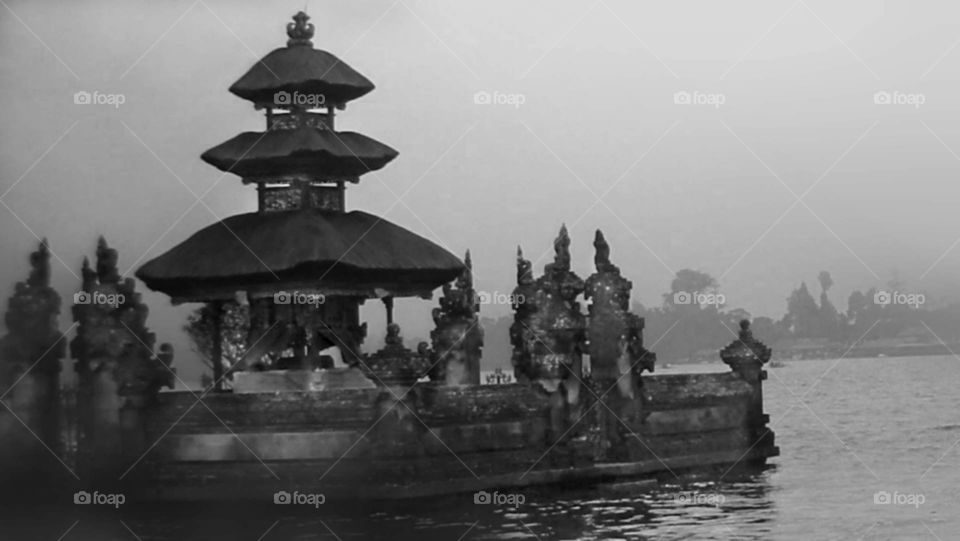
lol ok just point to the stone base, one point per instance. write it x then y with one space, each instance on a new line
300 380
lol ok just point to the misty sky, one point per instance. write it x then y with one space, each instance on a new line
711 188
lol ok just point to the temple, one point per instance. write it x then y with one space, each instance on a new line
301 404
302 262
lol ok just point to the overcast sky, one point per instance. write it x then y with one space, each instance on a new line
790 113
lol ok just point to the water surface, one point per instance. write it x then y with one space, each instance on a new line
849 431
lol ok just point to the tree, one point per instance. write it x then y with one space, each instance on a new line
829 325
803 315
767 330
235 324
826 281
856 308
688 282
691 319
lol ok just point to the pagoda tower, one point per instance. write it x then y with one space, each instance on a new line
303 262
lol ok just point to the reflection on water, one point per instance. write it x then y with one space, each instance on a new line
736 509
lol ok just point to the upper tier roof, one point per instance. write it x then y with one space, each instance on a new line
300 67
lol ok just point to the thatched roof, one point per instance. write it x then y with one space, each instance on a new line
352 253
303 150
303 69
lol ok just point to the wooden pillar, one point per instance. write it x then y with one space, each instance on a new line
217 350
388 302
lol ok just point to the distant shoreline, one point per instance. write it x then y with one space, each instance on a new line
836 351
826 351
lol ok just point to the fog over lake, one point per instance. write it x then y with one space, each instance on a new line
582 107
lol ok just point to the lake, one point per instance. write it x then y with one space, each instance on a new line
869 451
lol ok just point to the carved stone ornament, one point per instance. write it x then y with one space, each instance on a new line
458 338
33 336
112 333
394 364
549 334
745 353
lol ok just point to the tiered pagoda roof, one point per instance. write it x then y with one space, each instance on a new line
302 150
291 83
299 66
355 253
301 236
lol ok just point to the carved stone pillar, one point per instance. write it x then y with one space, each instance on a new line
609 293
522 337
746 356
458 337
552 327
549 334
30 355
617 355
118 368
216 354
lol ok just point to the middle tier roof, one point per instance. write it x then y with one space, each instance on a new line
305 150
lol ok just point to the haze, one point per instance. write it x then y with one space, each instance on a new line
682 186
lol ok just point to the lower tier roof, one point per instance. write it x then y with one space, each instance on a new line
353 253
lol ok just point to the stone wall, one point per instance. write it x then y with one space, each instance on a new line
362 443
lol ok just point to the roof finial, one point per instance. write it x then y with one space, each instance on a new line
300 31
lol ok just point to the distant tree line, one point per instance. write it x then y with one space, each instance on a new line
694 319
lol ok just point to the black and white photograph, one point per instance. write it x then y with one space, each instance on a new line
479 270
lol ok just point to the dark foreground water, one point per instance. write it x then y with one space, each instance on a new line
853 433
